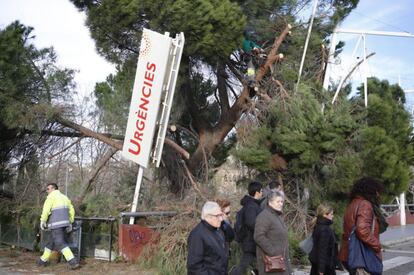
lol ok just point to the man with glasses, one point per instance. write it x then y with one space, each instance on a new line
206 243
250 209
58 215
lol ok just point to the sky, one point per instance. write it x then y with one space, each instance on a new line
59 24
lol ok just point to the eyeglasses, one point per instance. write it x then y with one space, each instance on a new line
217 215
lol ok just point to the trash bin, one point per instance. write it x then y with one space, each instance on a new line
132 239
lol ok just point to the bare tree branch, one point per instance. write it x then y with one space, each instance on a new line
193 182
87 183
66 148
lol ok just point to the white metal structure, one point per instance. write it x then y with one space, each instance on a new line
362 34
402 209
176 52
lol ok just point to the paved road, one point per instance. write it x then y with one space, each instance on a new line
399 252
399 259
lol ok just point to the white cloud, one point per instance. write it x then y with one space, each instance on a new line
58 23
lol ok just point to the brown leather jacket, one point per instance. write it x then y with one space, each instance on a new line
363 220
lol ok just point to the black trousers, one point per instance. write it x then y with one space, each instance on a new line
246 260
57 240
328 271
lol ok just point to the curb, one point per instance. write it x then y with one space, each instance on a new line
397 241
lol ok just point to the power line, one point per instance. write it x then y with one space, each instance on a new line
382 22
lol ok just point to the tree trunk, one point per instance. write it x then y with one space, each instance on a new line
209 139
106 138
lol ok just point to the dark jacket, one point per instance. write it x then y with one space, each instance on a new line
363 221
228 236
323 253
251 208
227 230
271 236
206 251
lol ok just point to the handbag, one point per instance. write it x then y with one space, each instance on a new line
274 263
361 256
307 244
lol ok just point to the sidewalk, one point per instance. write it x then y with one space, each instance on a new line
397 234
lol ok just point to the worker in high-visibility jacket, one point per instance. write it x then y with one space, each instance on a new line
57 216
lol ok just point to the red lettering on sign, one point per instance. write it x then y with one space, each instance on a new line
144 100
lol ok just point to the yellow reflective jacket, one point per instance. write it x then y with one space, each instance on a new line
57 211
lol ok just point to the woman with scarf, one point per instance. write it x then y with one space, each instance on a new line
363 212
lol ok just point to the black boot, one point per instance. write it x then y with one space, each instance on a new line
40 262
73 264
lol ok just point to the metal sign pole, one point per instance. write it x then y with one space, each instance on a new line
328 63
365 73
403 220
136 194
315 5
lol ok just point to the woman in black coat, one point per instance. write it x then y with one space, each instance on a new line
324 251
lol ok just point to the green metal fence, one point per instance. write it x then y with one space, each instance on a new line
93 243
18 236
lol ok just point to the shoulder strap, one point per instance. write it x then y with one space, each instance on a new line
373 218
356 213
373 222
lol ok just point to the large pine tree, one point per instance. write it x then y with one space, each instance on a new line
30 82
212 94
327 147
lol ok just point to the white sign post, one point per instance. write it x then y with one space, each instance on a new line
151 79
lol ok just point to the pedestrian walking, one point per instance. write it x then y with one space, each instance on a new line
250 210
206 243
57 216
323 255
271 236
363 213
